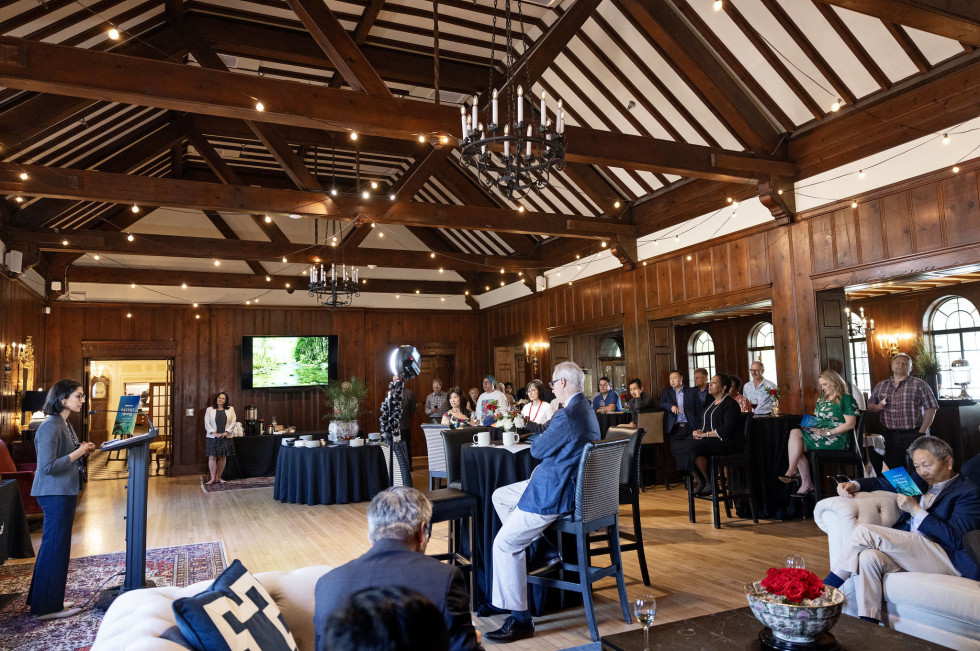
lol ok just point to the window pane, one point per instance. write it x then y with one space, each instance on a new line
955 325
762 348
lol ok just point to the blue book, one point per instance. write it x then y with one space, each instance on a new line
809 421
902 481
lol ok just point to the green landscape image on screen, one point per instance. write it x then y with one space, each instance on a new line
290 361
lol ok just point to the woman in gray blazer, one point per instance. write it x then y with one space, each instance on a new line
57 481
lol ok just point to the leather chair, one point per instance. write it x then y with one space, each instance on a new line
453 440
451 505
436 451
629 493
731 478
652 422
24 476
850 457
596 509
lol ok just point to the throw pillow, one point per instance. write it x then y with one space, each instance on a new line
235 614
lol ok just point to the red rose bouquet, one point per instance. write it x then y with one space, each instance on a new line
792 583
774 392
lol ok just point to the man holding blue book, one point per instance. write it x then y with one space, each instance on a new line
928 537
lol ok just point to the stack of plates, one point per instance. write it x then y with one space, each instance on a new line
288 441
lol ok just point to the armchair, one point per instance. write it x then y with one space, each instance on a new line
24 476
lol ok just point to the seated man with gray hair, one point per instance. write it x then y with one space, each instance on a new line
398 528
928 537
528 507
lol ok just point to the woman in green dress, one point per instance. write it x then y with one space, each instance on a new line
836 414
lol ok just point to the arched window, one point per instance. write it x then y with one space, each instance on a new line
702 354
762 347
859 357
955 329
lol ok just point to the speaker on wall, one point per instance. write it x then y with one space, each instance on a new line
14 261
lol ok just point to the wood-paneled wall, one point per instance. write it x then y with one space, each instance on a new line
731 338
923 224
21 316
207 355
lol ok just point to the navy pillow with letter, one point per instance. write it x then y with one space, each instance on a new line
235 614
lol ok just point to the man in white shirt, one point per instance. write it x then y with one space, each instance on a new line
757 389
490 402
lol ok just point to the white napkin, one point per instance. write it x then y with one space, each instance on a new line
516 447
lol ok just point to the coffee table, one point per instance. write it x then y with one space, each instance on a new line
739 629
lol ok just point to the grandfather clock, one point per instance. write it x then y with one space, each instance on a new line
98 399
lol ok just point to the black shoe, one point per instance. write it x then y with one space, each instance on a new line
511 631
804 495
542 554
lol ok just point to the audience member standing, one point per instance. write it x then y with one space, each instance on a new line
683 418
57 480
471 400
606 400
218 419
491 401
757 389
640 400
905 406
436 402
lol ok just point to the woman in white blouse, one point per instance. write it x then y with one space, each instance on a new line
218 421
536 411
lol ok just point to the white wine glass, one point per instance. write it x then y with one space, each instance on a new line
645 609
796 561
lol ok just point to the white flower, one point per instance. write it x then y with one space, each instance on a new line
519 421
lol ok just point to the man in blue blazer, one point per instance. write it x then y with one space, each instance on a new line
928 537
684 415
398 527
528 507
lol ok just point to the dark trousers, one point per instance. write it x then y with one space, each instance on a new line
897 441
406 435
682 446
47 592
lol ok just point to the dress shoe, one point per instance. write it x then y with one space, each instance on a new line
65 612
542 554
803 495
511 631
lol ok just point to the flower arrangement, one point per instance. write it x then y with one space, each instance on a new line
509 420
343 399
793 584
773 392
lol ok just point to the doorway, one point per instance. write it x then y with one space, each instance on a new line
108 381
441 366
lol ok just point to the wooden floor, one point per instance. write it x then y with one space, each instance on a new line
695 569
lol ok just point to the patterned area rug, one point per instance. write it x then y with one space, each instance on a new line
179 566
237 484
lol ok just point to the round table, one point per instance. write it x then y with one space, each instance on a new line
768 439
334 474
611 419
483 471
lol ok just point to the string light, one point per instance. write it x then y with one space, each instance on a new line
284 259
183 285
64 242
616 205
374 185
248 302
603 244
861 174
391 196
381 234
195 304
197 316
132 285
129 315
421 138
113 34
417 291
854 204
259 106
501 283
135 208
95 257
717 5
501 270
945 138
24 176
836 105
353 135
520 209
779 191
365 194
268 278
268 220
130 237
19 199
956 169
729 199
432 255
333 192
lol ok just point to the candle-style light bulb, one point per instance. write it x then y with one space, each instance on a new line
462 117
544 106
506 142
520 104
530 133
493 107
476 102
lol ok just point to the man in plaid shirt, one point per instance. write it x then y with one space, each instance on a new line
905 406
437 403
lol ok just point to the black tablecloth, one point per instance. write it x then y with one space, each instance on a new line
336 474
255 456
611 419
483 471
15 538
768 439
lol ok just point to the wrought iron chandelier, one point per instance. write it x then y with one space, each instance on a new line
859 326
332 287
514 154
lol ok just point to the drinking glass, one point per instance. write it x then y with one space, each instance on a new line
796 560
645 609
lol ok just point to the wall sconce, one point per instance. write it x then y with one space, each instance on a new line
531 350
888 344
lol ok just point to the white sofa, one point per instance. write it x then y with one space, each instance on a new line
136 619
933 607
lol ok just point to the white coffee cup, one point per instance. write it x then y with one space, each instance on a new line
356 443
511 438
374 436
481 439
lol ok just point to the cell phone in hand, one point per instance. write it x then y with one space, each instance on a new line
840 479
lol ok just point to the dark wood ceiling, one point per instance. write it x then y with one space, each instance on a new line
672 108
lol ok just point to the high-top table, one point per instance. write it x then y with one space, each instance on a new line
15 538
334 474
768 439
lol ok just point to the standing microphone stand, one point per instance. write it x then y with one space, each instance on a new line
391 415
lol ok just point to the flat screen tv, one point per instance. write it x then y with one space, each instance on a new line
274 362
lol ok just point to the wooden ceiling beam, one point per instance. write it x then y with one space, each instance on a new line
361 32
86 185
233 248
905 42
169 278
229 234
854 45
339 47
702 68
955 19
53 68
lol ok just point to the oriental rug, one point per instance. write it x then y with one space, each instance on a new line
237 484
177 566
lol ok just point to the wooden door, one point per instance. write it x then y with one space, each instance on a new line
160 411
661 355
442 367
835 353
561 351
503 363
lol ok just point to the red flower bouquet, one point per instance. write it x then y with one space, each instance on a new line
793 583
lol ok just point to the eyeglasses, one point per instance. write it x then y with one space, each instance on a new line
554 382
80 395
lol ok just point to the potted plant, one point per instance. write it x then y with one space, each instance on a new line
926 364
343 400
796 607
